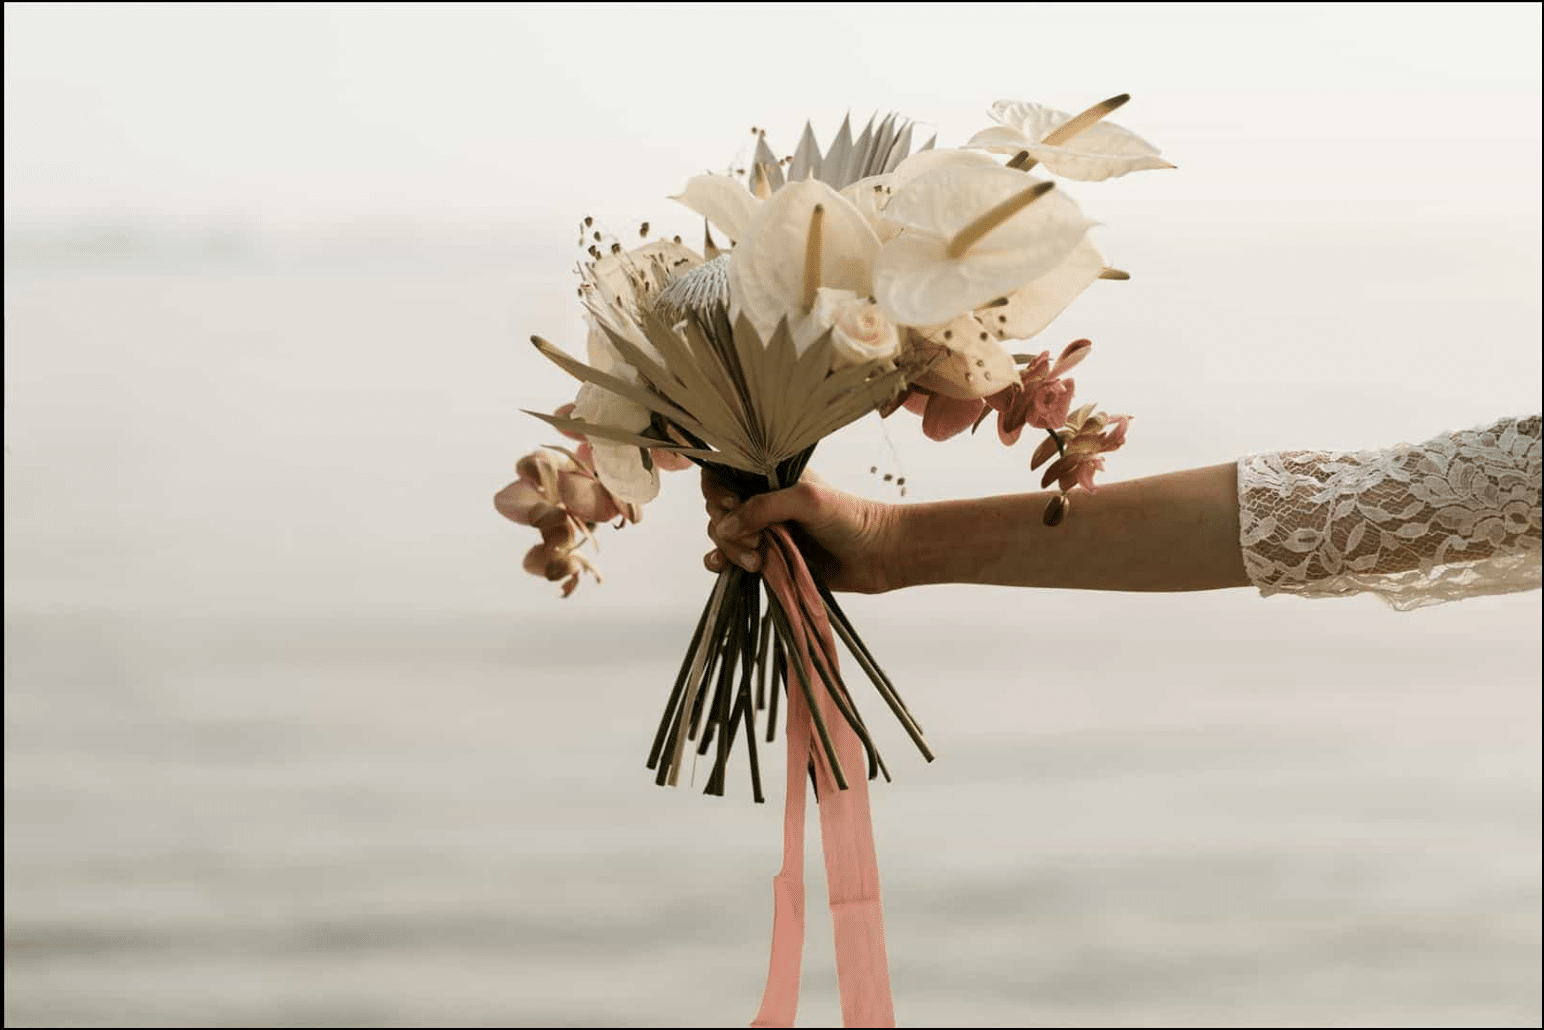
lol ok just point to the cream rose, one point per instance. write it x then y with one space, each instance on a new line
859 333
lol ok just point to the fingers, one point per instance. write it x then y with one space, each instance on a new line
799 503
736 526
717 493
715 561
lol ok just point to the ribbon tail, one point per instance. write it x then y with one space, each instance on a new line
780 999
847 835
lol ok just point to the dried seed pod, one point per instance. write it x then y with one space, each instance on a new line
1056 510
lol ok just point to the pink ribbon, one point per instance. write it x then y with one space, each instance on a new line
846 827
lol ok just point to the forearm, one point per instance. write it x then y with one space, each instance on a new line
1173 532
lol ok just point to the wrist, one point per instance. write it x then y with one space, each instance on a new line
896 525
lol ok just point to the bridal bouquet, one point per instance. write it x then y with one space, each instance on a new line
864 278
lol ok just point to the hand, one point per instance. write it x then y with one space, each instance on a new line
846 540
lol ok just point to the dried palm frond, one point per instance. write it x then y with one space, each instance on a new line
752 410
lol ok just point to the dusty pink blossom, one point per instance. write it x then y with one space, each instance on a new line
556 564
1041 398
943 417
558 494
1083 439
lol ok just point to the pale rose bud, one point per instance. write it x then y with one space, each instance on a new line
859 333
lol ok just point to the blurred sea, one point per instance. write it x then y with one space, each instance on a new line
291 741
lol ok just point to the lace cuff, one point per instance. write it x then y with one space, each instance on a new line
1457 516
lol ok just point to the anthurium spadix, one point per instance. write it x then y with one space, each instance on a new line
791 250
972 234
1073 146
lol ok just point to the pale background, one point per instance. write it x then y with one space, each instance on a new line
292 741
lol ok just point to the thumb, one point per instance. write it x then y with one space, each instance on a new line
798 503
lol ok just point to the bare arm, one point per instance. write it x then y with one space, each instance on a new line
1177 531
1173 532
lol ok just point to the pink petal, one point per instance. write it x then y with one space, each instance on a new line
949 416
538 558
1049 404
1037 369
567 411
1083 475
1043 453
520 502
541 468
1059 469
586 498
557 529
1074 352
670 461
1116 437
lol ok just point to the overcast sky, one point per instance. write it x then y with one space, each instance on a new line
319 113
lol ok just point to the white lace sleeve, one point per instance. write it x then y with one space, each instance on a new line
1457 516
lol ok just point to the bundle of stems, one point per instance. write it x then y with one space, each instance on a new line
739 645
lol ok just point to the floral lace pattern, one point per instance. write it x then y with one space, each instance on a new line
1457 516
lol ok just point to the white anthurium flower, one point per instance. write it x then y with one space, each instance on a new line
724 201
869 196
872 194
621 467
918 281
974 364
767 275
859 333
1033 307
925 161
1100 151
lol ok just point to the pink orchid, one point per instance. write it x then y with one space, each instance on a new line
1084 437
943 417
668 460
559 495
1041 398
556 564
